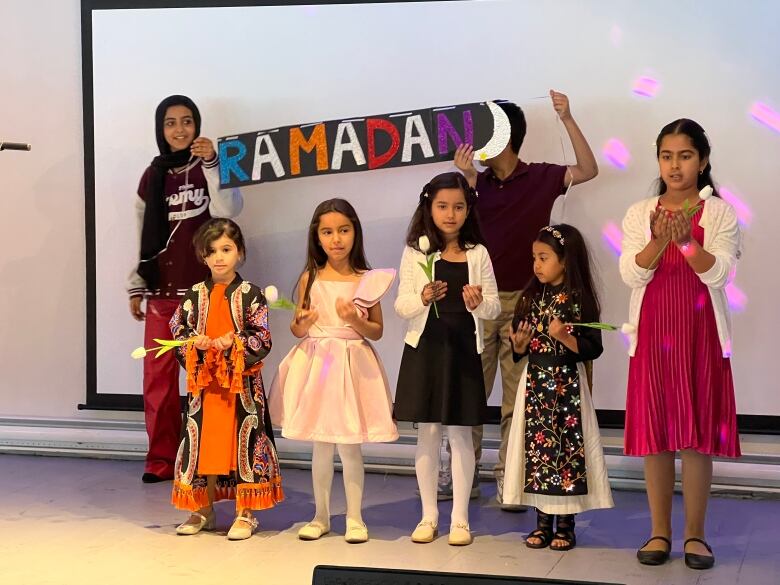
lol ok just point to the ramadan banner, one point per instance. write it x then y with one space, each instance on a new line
362 143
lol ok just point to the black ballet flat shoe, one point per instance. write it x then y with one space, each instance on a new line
699 562
152 478
654 557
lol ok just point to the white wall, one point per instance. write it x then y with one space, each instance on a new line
42 349
42 272
270 66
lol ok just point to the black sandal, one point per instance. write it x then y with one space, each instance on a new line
654 557
543 531
694 561
564 530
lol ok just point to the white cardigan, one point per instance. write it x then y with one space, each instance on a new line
722 239
409 305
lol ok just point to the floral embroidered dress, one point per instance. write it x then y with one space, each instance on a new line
555 461
227 431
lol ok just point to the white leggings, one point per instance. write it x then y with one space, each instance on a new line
322 478
426 463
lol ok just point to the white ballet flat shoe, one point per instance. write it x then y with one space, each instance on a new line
460 535
356 532
425 532
313 531
243 527
204 523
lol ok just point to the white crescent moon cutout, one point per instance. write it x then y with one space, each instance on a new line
501 133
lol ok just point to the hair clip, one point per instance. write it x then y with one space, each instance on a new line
556 234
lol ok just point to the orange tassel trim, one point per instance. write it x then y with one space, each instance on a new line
228 375
185 497
204 377
237 365
191 365
259 496
221 372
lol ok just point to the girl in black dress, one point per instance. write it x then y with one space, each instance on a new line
440 383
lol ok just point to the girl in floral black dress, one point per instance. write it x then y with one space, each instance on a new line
554 459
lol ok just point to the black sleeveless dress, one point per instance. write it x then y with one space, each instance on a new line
441 380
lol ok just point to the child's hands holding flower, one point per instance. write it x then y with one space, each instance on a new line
659 224
202 342
680 228
433 291
472 296
521 336
558 330
307 317
224 342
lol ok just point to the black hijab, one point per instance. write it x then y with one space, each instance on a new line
156 229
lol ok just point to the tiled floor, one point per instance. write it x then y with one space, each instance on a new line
84 521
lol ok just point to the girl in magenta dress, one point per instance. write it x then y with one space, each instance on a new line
679 253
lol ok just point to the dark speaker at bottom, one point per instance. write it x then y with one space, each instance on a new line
332 575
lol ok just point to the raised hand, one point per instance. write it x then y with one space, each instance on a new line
203 147
560 102
464 160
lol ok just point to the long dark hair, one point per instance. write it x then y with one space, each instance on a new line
316 256
422 221
577 278
700 142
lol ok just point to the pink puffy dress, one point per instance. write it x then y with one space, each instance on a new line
332 386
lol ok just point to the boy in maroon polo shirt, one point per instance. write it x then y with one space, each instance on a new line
177 193
515 201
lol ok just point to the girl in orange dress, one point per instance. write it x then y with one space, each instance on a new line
227 449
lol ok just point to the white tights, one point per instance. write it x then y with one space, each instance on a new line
322 478
426 463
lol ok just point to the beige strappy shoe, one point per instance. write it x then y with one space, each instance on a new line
243 527
202 522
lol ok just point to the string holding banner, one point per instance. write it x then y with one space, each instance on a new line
361 144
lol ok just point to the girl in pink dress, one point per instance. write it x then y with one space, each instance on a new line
331 388
679 253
